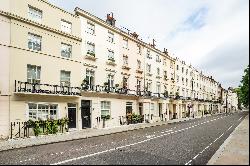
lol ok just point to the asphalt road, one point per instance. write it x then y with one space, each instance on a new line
191 142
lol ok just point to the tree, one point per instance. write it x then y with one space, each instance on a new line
243 90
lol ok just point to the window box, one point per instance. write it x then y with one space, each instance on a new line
139 71
90 56
126 67
149 74
111 62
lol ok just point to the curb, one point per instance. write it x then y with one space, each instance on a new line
62 139
221 149
20 145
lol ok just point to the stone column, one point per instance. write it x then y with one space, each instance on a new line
167 107
181 109
164 106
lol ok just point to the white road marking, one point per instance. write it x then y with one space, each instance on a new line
229 127
221 135
188 162
150 137
239 119
206 147
216 139
196 156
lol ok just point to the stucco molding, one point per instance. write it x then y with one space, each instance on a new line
45 27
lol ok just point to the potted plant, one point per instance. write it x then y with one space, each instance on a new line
177 95
166 94
84 84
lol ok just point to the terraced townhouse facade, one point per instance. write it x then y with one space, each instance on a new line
56 64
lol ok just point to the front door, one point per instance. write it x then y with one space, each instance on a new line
85 112
160 109
72 116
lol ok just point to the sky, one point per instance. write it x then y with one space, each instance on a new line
212 35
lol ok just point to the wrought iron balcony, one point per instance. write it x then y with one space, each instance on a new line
37 88
122 91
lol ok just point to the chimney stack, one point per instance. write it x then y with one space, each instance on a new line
165 51
110 19
135 35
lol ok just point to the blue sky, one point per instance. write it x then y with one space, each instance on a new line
212 35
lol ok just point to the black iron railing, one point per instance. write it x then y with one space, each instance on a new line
125 91
26 129
46 88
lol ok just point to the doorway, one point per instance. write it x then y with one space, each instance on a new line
85 114
72 115
160 109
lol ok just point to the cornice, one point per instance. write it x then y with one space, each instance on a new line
27 21
101 22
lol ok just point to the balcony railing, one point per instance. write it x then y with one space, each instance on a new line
124 91
37 88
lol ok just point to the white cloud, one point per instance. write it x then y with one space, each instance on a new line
225 26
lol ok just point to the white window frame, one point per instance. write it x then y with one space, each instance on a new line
125 60
66 50
90 28
64 81
111 37
138 64
158 71
111 55
90 76
34 42
90 47
125 43
37 72
152 108
106 106
66 26
35 14
148 68
138 49
158 88
111 81
45 113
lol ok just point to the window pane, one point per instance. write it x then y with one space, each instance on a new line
66 50
35 14
34 42
66 26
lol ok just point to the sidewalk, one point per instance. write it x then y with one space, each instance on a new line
74 135
235 150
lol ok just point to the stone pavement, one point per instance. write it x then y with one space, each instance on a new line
74 135
235 150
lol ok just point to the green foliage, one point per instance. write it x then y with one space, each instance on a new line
106 117
91 53
206 112
243 89
136 118
49 126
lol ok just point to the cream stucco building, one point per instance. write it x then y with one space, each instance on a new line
56 64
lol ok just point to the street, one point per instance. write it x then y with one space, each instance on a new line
190 142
